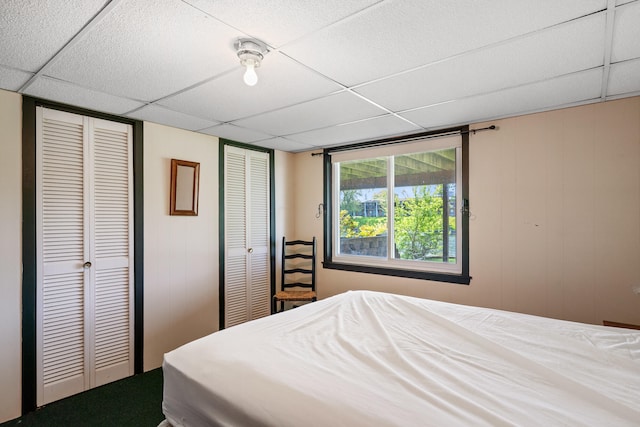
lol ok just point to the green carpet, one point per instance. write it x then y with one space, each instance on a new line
134 401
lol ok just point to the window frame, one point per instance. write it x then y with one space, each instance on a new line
397 270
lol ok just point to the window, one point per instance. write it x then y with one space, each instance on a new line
397 207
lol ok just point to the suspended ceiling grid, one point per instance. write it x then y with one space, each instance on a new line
337 71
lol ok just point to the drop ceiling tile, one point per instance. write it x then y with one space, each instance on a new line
567 48
284 144
335 109
621 2
626 33
32 31
548 94
156 114
67 93
278 22
363 130
624 77
399 35
281 82
148 50
12 79
236 133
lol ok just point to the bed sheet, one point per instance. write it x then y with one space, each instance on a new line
367 358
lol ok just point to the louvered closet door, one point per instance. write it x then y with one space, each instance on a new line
258 232
61 222
247 234
84 285
112 251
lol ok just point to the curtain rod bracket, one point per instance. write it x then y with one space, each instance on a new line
473 131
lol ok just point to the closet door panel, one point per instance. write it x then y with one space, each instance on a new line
111 230
236 268
259 236
60 224
236 298
63 344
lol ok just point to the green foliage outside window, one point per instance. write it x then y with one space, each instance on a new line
374 228
361 226
417 219
348 226
349 201
418 224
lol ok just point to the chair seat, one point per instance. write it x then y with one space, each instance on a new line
295 296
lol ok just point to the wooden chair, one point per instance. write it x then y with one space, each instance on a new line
298 278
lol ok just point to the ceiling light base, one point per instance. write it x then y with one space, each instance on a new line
251 53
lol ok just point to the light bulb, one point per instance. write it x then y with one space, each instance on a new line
250 76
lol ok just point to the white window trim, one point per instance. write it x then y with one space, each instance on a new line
457 272
416 147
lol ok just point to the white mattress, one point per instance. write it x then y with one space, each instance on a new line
373 359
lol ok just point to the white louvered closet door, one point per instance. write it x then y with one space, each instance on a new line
84 253
112 235
247 235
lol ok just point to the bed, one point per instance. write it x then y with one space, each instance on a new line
366 358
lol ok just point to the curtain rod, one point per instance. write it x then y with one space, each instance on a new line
408 139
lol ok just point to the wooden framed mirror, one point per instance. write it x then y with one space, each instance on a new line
185 180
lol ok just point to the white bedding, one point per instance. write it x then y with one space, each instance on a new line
373 359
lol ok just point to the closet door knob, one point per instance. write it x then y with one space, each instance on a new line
250 250
87 265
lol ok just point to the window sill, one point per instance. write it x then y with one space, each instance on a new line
413 274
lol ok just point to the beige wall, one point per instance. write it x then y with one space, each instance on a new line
555 230
180 252
10 254
306 197
285 181
556 199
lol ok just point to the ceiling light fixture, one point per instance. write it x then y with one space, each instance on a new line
251 52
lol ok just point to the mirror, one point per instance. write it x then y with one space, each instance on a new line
184 187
